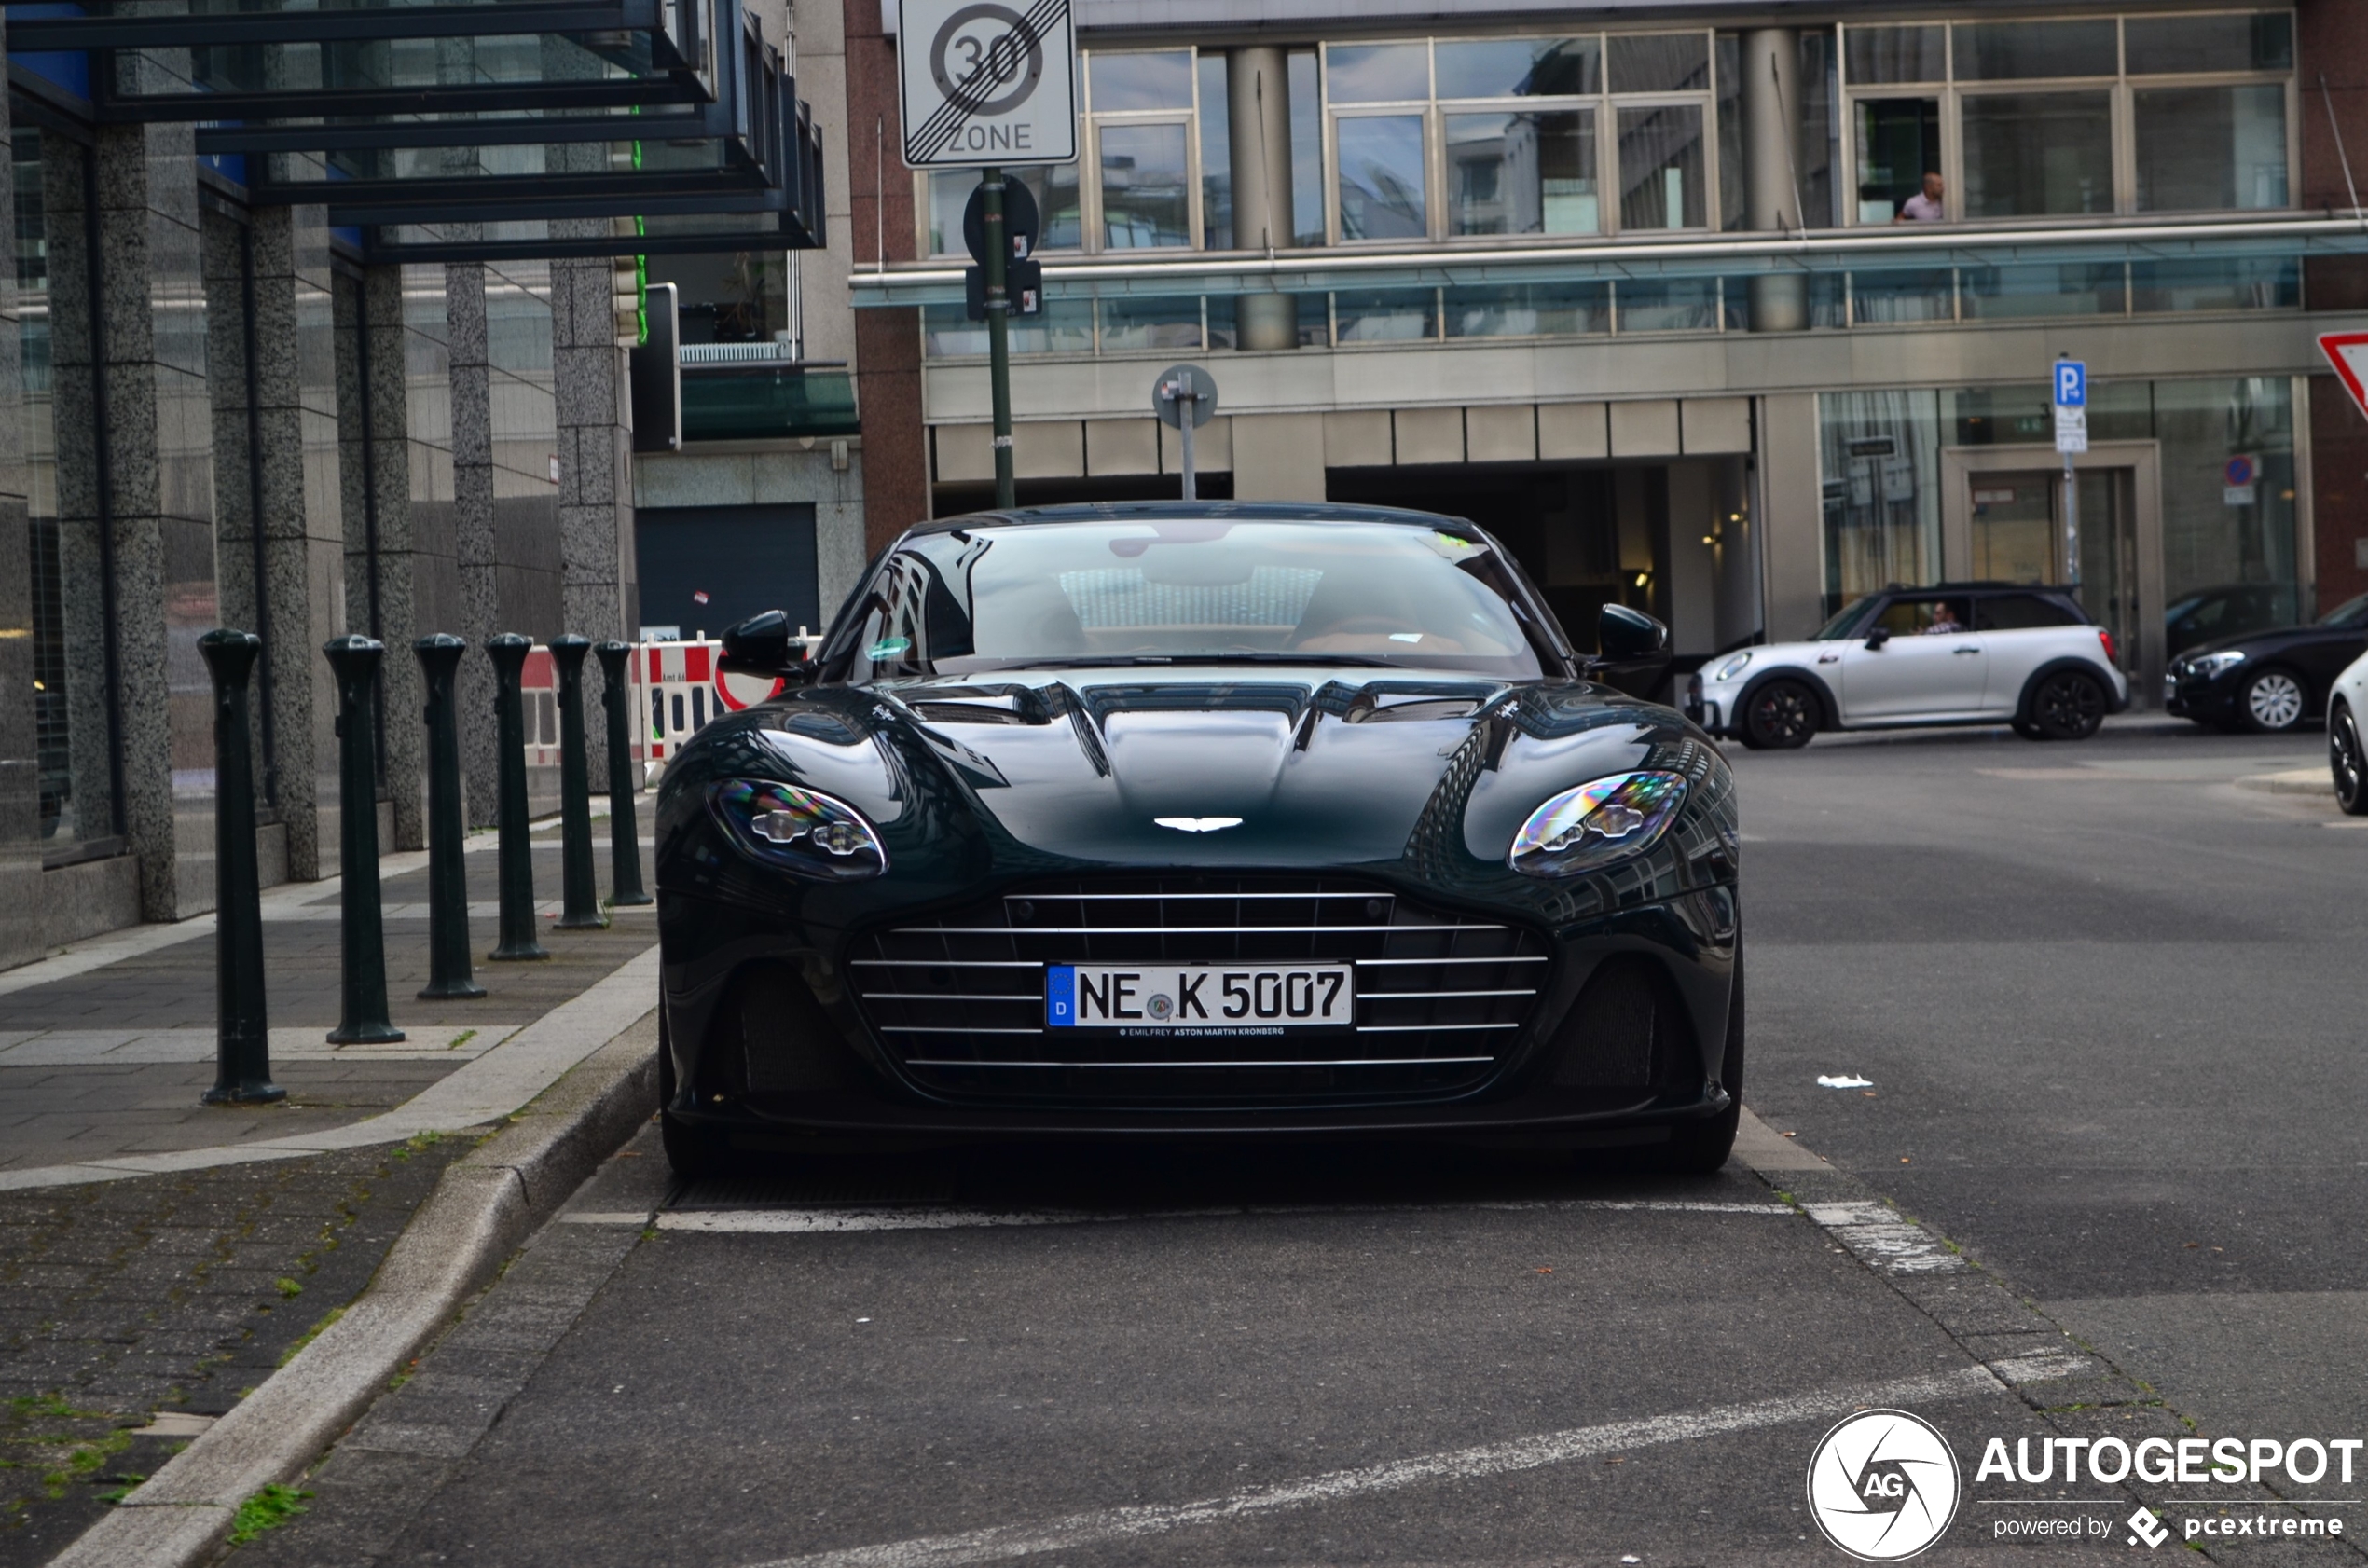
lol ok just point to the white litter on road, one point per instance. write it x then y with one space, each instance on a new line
1077 1531
1885 1239
1844 1081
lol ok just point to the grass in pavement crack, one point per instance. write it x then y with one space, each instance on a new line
268 1509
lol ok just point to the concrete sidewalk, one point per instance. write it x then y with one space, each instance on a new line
159 1257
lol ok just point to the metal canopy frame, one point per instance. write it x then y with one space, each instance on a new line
742 74
489 18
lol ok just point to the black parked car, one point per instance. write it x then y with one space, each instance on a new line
2268 680
1217 820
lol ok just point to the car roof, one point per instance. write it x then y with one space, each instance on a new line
1980 588
1188 511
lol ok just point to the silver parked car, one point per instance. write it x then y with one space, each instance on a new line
1954 654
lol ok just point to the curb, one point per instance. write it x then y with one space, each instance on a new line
486 1205
2296 781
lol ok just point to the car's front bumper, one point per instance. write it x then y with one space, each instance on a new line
2207 700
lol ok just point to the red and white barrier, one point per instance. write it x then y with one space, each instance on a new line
676 691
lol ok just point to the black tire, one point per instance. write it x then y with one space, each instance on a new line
2068 704
2347 761
695 1152
1699 1147
2273 701
1780 716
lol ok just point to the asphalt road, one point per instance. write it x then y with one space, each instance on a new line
2106 997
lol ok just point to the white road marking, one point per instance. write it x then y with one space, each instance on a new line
812 1221
1080 1531
1882 1239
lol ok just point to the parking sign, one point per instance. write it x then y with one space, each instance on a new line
986 84
2071 383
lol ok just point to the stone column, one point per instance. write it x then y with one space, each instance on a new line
282 410
1771 191
19 764
150 420
593 396
1258 92
474 543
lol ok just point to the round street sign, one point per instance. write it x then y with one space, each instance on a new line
1019 221
2241 471
986 60
1181 378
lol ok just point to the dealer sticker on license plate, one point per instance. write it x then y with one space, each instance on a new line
1200 999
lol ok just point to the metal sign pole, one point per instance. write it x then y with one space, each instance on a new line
1184 398
999 331
2072 524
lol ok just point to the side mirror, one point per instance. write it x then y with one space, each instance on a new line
1624 635
1879 635
760 645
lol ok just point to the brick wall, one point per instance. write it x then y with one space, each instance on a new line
2331 42
888 343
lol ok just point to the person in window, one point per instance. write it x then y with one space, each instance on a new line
1924 206
1945 621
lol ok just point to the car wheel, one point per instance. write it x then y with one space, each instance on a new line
2350 767
1702 1146
1781 716
2068 706
695 1152
2272 701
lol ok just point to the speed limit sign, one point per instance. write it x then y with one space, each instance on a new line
987 83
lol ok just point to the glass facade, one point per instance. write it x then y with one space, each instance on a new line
1880 458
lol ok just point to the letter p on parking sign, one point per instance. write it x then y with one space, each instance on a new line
984 83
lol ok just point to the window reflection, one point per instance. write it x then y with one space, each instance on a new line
1667 305
1056 205
1385 315
1999 51
1161 80
2038 154
1381 176
1532 174
2210 146
1377 73
1660 62
1518 67
1146 187
1660 168
1528 311
1157 323
2159 45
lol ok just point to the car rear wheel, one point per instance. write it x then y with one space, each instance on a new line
2068 706
1781 716
2349 765
1702 1146
2272 701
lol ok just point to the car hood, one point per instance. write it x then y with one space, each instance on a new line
1276 766
2269 640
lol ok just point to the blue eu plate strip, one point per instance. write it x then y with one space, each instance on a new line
1060 997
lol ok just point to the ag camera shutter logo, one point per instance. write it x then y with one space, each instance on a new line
1883 1485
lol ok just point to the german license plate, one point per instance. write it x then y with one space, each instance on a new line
1200 999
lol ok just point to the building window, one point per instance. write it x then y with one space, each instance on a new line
2069 118
1141 110
1380 158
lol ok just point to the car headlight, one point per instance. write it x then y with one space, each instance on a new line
1598 824
798 830
2211 666
1733 666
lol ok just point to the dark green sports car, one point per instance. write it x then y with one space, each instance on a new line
1201 820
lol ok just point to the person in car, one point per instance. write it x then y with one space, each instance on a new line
1945 621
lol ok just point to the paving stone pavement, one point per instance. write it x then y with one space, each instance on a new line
176 1293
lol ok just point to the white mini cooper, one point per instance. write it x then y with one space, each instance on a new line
1954 654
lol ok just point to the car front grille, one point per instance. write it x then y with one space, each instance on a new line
959 1000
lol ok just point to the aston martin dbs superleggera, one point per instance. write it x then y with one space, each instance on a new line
1198 820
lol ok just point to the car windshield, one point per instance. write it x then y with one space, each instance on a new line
1012 596
1839 625
2350 613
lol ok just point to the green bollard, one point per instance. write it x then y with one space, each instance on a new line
243 1037
363 1009
624 833
516 852
450 973
579 893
